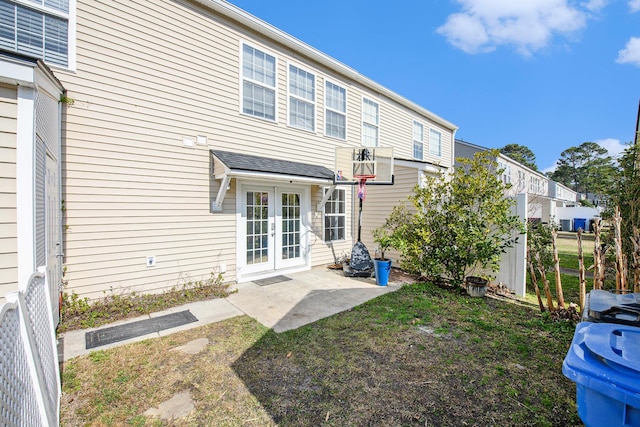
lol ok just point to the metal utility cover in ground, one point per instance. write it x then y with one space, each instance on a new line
135 329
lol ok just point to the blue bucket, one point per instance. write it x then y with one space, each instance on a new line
383 269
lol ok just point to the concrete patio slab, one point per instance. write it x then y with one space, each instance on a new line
309 296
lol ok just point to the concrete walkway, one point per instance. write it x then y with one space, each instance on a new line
308 297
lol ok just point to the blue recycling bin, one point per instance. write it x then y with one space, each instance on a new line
580 223
603 362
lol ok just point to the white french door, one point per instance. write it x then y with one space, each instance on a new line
273 224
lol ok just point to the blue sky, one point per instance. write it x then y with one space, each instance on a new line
547 74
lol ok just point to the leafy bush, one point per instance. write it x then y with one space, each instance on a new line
79 312
539 241
459 222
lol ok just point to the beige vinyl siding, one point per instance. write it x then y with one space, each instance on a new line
396 130
148 75
381 200
8 217
323 252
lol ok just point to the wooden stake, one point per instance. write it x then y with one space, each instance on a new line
556 261
636 259
581 273
547 291
534 280
620 278
598 264
596 254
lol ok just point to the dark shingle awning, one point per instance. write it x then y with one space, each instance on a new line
227 165
236 164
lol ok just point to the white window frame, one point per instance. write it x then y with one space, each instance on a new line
432 149
534 186
69 17
291 97
506 172
418 143
274 88
522 180
334 111
369 124
325 214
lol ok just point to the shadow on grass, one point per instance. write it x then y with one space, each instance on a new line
419 356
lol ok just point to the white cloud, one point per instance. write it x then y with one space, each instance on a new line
528 25
551 168
613 146
595 5
634 5
631 53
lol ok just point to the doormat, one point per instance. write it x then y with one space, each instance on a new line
136 329
271 280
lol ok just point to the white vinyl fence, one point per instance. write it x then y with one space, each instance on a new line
29 372
513 265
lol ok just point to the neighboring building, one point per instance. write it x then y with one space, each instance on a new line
600 201
201 139
544 196
30 203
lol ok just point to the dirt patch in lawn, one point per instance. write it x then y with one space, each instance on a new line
418 356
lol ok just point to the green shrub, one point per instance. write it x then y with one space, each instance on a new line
460 222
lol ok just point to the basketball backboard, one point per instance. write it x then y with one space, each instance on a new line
375 164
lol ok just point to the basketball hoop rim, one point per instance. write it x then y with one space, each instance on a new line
357 181
363 177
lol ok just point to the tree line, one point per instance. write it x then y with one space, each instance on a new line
587 168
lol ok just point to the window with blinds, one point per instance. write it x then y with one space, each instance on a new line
418 141
370 123
302 98
38 28
435 143
335 116
258 83
335 215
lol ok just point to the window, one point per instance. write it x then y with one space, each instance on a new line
435 144
258 83
370 122
506 172
302 99
418 140
335 116
335 215
521 181
535 186
40 29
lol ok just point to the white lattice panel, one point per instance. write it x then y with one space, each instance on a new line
39 318
40 203
48 122
18 403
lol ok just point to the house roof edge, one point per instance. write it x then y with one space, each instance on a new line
245 18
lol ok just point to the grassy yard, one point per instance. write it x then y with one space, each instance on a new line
568 251
568 255
419 356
